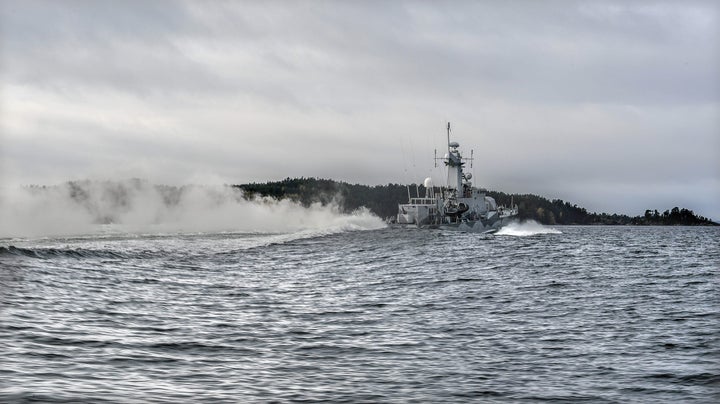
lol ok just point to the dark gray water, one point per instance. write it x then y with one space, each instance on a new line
603 314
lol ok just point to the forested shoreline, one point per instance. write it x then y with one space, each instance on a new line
383 200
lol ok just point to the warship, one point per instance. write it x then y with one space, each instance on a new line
457 205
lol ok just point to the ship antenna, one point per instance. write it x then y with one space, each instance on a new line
448 132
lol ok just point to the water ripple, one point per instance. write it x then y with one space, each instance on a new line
599 314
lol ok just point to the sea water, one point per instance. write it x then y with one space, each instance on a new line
362 313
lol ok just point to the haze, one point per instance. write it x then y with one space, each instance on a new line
614 106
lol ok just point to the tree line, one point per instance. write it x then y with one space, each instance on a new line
384 199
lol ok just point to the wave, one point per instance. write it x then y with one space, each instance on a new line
121 242
58 252
138 207
527 228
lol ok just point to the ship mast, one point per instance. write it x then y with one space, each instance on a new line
454 162
448 133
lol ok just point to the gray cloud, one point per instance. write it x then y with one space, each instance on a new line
570 99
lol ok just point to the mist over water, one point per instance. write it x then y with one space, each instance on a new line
135 206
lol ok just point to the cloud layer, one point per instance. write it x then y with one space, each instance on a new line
612 105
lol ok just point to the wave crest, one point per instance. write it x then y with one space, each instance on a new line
528 228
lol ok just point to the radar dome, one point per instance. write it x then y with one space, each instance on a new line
468 176
428 182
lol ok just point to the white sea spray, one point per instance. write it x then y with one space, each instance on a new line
135 206
526 228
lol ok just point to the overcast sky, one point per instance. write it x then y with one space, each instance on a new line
614 106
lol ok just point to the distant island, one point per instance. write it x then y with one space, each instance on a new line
383 201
